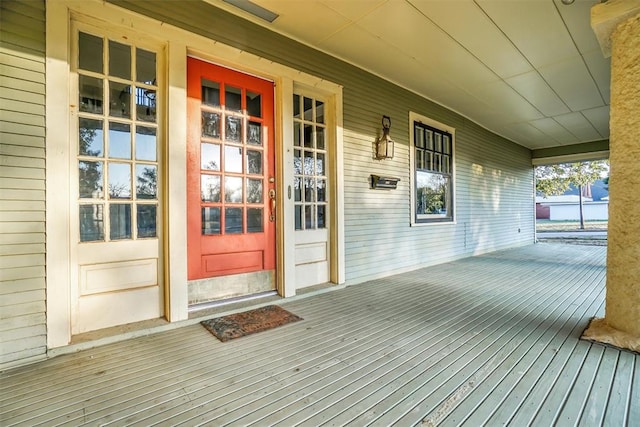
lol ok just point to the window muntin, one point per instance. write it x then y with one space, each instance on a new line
309 163
117 154
433 174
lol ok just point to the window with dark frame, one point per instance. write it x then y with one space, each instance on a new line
433 174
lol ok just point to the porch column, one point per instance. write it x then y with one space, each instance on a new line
617 26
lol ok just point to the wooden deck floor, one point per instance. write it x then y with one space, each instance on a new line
490 340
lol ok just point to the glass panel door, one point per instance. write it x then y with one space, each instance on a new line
230 172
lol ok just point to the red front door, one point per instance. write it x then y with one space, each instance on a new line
230 172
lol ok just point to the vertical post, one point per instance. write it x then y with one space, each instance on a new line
621 324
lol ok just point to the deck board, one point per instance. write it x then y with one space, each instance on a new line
489 340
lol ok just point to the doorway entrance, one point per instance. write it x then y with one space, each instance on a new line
231 190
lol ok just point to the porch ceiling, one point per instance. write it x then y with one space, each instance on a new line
529 70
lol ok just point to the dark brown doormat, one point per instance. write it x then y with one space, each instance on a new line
249 322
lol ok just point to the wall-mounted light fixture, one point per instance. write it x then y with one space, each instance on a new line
384 144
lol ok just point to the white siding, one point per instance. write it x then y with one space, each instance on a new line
22 185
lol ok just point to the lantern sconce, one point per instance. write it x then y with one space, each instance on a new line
384 144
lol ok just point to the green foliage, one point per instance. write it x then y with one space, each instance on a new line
553 180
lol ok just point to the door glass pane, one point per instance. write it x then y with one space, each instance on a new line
320 143
90 138
233 129
210 156
233 220
320 164
90 53
296 106
254 220
297 162
254 191
119 99
254 162
296 134
233 98
119 180
308 136
322 190
146 143
254 104
309 190
210 188
147 221
254 135
210 93
119 60
308 109
210 124
321 216
119 140
91 223
146 104
145 66
297 189
210 221
233 159
90 177
308 217
298 215
120 221
309 163
233 189
319 111
91 96
146 181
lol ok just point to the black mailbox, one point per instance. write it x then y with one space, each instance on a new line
384 182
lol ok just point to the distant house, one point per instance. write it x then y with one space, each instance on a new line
567 205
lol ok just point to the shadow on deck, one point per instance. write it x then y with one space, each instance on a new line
488 340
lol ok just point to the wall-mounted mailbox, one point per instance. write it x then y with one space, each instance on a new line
384 182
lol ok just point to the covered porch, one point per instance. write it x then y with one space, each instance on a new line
492 339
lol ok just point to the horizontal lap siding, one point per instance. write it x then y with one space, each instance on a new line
494 178
22 181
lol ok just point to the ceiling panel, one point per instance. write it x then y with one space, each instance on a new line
534 26
357 51
533 87
501 97
314 19
578 125
483 39
601 71
533 137
572 81
353 9
599 118
554 130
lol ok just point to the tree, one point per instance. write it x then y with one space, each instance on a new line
553 180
